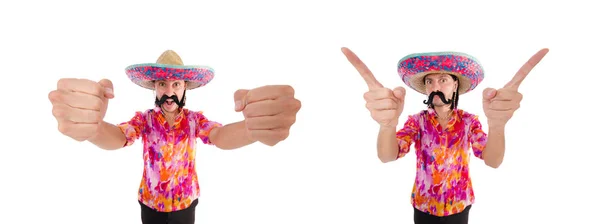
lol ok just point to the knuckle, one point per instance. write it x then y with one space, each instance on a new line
79 139
65 83
389 93
289 121
293 104
284 134
63 128
297 104
53 95
287 90
246 112
367 95
58 112
61 83
249 111
270 142
239 93
384 92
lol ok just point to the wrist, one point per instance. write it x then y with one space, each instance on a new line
99 130
387 128
496 125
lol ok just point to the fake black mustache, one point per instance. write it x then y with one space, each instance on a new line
437 93
164 98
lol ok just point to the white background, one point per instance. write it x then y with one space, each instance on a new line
327 171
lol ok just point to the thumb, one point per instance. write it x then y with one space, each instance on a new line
489 94
108 88
399 92
240 99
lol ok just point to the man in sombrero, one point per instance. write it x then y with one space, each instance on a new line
442 134
169 190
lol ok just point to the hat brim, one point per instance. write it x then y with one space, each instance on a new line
414 67
144 75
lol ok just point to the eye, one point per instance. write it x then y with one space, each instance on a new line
443 80
176 84
161 84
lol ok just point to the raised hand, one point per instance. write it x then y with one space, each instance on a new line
385 104
79 106
500 105
269 112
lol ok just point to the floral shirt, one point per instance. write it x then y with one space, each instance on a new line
442 185
169 182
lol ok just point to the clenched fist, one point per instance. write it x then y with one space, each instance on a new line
269 112
384 104
79 106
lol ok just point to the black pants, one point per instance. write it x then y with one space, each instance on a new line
459 218
185 216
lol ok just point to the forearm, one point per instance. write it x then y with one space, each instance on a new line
387 144
109 137
493 155
231 136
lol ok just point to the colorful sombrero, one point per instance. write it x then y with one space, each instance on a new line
414 67
169 66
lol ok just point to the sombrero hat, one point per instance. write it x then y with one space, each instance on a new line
169 66
414 67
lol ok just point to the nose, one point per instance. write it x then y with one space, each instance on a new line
170 90
435 87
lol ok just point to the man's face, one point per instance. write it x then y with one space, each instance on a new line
440 82
169 89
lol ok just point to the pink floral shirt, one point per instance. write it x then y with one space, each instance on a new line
442 185
169 182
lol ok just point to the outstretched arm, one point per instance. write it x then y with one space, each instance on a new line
231 136
109 137
392 145
387 144
487 146
499 107
493 155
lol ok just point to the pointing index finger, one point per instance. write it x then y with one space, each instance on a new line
364 71
525 69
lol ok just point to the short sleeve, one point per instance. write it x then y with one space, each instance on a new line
477 137
204 126
133 128
406 135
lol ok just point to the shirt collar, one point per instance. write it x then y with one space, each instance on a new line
162 118
452 119
432 112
